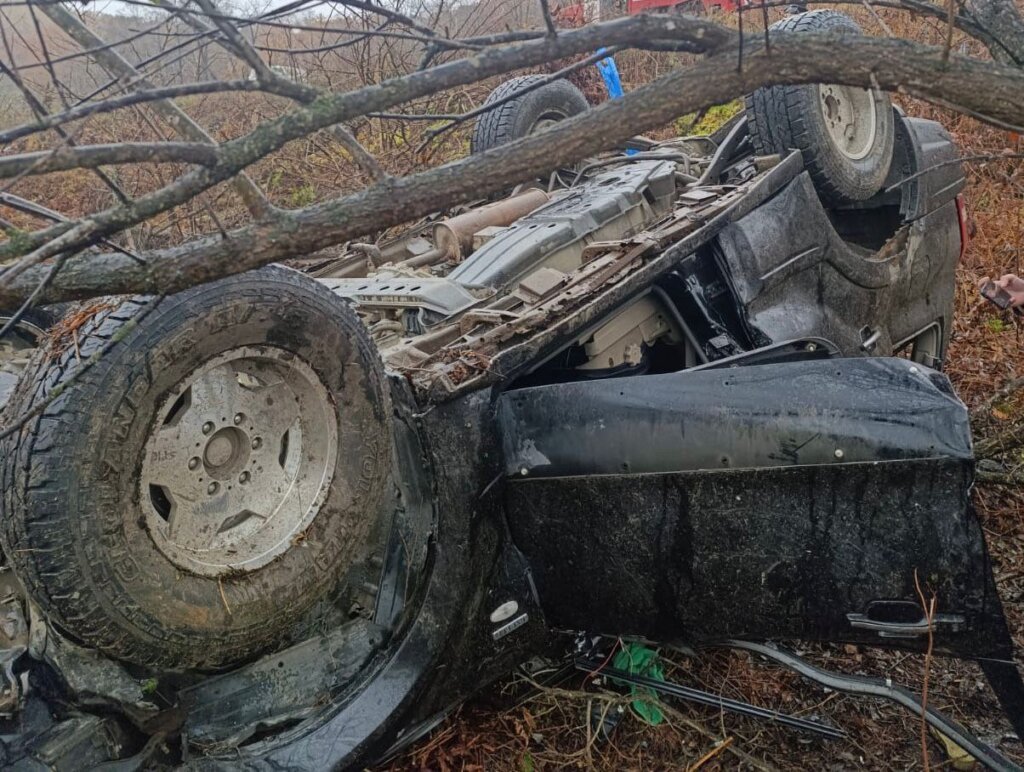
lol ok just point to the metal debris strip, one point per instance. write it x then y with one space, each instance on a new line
707 698
485 333
885 689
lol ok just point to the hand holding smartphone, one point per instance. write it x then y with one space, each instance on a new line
999 297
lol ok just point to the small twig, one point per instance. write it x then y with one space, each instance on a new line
549 22
881 22
953 162
604 664
751 761
416 116
928 607
710 755
950 24
1006 391
1002 442
1012 479
223 596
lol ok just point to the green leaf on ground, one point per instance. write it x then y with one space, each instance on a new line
637 659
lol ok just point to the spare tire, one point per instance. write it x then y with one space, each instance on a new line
844 133
525 114
187 498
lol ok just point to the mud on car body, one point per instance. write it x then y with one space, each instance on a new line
290 519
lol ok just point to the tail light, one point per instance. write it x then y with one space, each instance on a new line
965 224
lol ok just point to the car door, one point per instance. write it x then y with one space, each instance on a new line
815 499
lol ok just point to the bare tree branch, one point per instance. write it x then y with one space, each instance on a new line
281 85
736 66
127 100
93 156
40 111
689 34
549 22
121 68
891 64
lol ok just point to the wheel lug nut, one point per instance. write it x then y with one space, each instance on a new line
193 462
239 417
208 427
256 443
212 488
243 478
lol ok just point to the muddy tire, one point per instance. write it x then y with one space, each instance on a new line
845 134
526 114
163 508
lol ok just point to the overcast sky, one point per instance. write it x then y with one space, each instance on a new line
117 7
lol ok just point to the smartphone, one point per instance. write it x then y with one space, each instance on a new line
998 296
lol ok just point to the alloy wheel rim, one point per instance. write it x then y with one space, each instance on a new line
851 119
239 461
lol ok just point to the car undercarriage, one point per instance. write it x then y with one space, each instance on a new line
676 394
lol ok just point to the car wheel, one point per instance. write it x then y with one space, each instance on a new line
526 114
187 498
844 133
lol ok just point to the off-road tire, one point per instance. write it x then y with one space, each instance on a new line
518 117
784 118
71 519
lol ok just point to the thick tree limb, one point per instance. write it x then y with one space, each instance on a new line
1006 440
888 64
1002 23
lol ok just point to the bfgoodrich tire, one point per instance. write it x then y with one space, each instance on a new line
525 114
188 497
845 134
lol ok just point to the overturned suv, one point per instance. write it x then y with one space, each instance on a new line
690 393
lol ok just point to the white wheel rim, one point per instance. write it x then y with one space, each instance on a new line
850 117
239 461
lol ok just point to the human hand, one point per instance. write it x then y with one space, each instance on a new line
1013 284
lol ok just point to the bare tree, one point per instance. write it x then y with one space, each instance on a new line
402 52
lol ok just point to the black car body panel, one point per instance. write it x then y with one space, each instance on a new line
830 488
